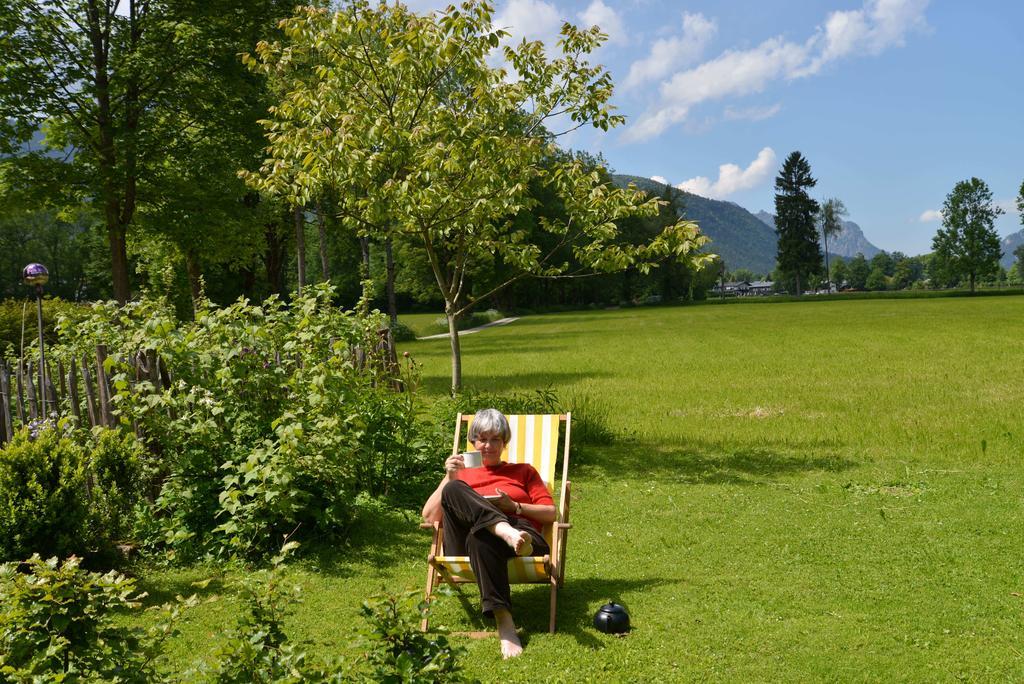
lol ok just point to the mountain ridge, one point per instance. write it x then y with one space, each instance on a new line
848 243
736 235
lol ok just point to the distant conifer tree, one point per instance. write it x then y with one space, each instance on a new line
799 255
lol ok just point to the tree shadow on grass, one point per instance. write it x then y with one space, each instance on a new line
206 583
437 385
577 602
708 462
379 539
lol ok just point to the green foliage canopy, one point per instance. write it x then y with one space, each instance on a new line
967 245
422 139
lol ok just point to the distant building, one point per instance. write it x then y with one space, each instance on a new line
735 288
743 288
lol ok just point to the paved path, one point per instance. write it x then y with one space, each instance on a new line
470 331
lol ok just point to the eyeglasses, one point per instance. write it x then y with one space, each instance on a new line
481 439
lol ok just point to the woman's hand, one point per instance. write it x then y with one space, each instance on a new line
505 504
453 464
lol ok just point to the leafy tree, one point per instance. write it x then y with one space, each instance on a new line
1020 202
741 274
902 275
883 262
141 111
94 77
876 279
799 255
1019 254
831 221
839 273
423 140
967 245
858 272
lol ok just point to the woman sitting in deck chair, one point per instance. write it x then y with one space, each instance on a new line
492 530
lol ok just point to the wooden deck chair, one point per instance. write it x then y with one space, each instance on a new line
534 441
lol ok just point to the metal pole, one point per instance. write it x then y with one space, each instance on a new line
42 358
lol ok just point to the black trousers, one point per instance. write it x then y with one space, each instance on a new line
467 515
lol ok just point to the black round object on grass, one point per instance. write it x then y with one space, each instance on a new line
611 618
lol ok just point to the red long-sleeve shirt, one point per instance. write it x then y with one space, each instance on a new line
520 481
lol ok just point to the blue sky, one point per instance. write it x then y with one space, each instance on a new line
891 101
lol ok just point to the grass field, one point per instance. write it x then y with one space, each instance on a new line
817 490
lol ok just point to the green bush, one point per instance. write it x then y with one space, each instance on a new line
118 481
397 651
400 332
43 500
59 496
58 623
15 313
272 422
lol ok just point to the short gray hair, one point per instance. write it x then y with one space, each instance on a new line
490 420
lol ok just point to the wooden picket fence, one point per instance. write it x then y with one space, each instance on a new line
83 390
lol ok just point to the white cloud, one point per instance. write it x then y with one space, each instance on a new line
878 25
735 73
660 179
600 14
530 19
732 178
751 113
930 216
668 54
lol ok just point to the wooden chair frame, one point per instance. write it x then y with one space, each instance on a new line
556 533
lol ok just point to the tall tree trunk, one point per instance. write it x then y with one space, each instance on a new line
274 256
364 247
118 258
99 40
321 224
453 335
248 274
799 289
390 282
299 221
828 274
194 276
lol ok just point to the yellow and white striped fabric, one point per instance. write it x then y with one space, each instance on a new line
535 441
521 570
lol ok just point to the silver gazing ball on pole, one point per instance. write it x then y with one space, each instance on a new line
36 275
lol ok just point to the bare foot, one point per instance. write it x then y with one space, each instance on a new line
510 644
520 541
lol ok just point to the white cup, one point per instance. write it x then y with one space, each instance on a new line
472 459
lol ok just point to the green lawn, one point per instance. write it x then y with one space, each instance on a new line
816 490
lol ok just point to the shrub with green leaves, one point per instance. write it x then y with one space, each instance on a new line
117 483
397 651
277 417
43 495
58 623
18 322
